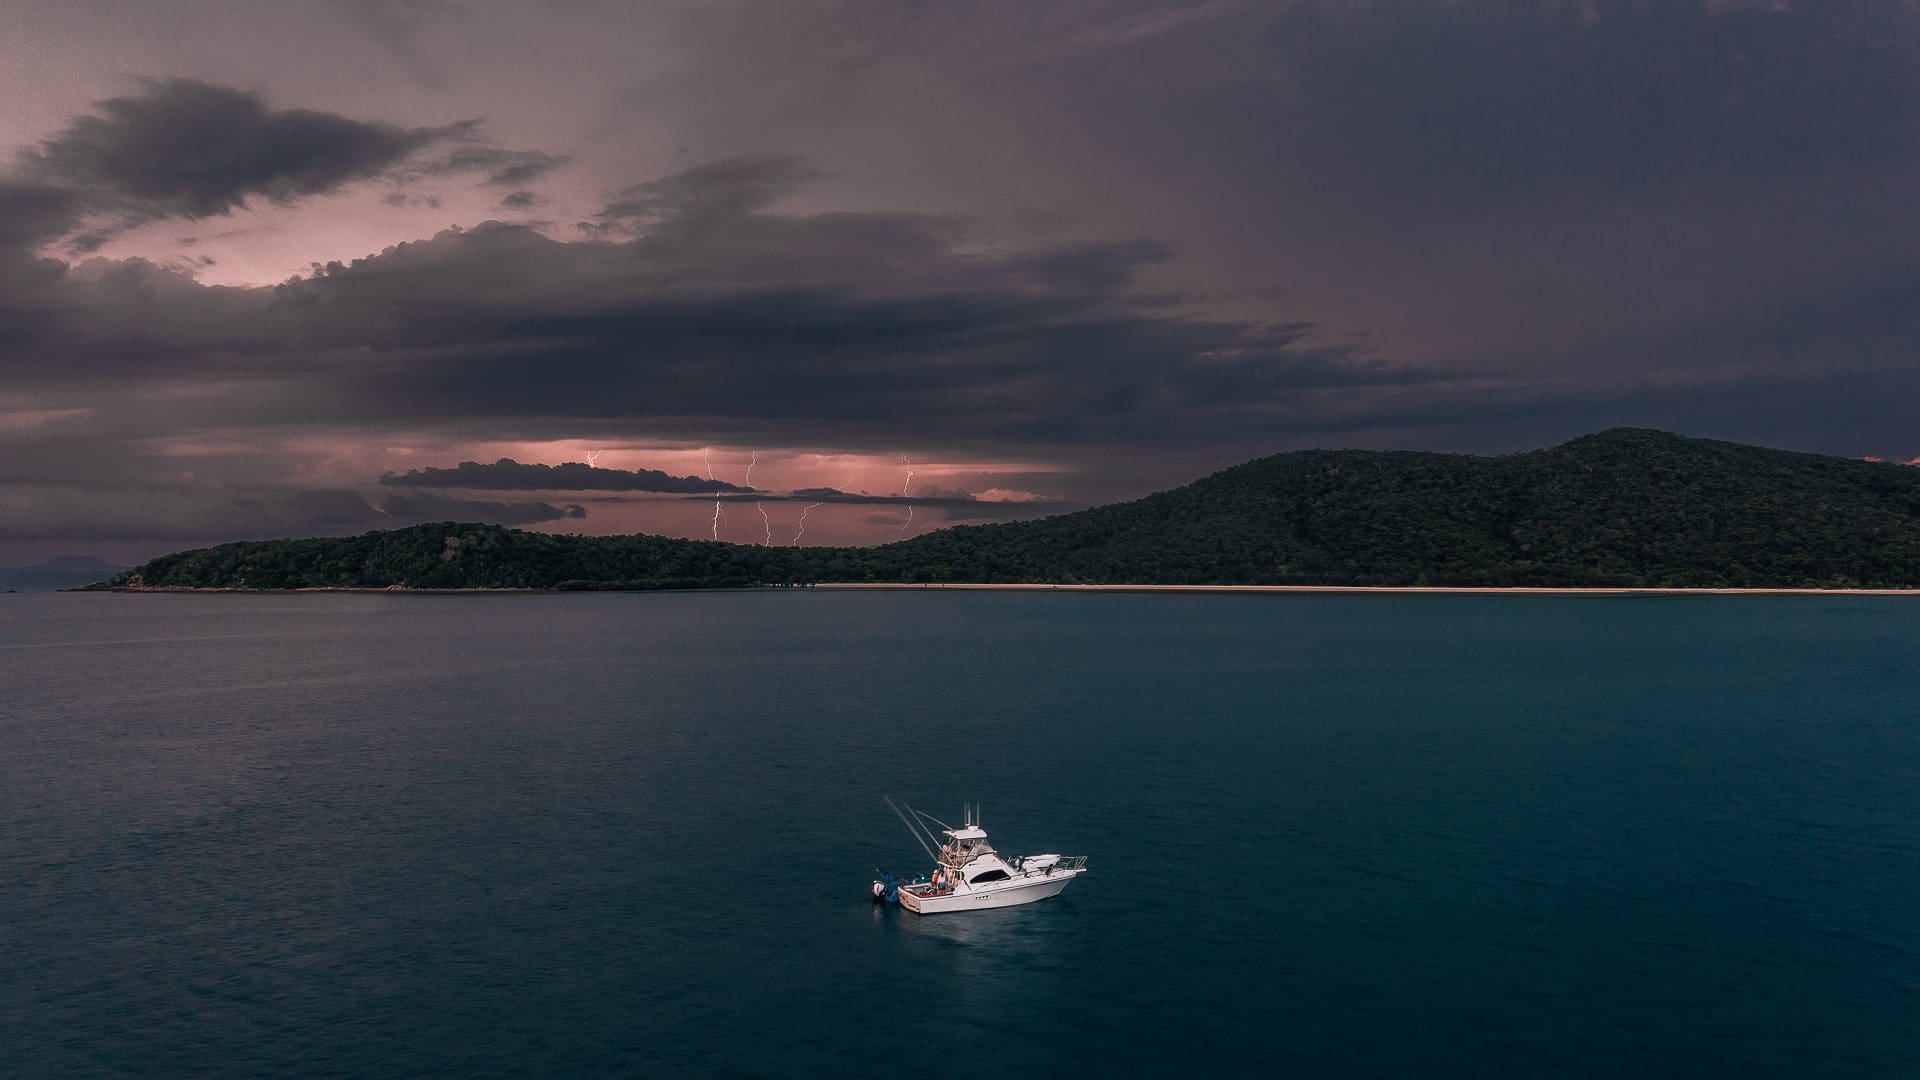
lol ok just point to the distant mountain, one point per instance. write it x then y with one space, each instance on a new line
1624 508
77 562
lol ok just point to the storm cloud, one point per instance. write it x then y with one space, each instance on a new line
769 327
192 149
507 474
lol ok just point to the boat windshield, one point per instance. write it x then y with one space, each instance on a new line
961 851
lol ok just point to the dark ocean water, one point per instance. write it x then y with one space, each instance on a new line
39 579
633 834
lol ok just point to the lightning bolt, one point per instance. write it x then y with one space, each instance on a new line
593 458
767 525
803 522
706 455
906 490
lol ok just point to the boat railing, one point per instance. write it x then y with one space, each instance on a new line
1072 862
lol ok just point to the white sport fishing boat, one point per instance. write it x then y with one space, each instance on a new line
968 874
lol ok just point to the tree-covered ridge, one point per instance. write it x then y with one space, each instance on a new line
1625 508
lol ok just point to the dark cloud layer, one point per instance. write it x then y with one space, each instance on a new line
33 213
507 474
875 328
721 320
191 149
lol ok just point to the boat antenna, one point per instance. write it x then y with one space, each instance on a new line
911 827
931 818
931 838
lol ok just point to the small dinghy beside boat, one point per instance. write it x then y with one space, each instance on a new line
968 874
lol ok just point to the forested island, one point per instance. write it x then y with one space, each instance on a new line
1628 508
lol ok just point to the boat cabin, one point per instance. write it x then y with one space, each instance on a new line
966 857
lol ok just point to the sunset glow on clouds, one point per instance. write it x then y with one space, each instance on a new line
1042 256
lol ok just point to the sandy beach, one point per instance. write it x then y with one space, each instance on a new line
1436 589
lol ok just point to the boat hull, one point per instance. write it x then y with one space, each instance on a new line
1020 891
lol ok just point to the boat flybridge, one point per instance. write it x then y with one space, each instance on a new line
968 874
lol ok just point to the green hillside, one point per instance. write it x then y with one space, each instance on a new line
1627 507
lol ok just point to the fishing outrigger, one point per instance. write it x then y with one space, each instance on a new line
968 874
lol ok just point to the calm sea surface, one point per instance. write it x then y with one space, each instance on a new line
622 834
39 579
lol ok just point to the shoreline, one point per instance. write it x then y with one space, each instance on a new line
1434 590
1441 590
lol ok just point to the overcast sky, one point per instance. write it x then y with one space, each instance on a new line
280 269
